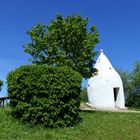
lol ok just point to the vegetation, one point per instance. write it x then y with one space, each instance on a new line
95 126
131 83
133 99
47 95
84 97
126 79
1 83
65 41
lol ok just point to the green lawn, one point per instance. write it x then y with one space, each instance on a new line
95 126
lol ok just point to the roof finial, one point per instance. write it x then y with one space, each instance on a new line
101 51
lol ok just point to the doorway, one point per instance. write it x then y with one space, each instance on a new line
115 92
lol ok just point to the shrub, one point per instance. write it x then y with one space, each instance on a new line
133 99
47 95
84 97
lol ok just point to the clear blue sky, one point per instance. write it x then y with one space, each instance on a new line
118 22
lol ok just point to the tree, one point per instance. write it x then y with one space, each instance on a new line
127 80
65 41
134 96
1 83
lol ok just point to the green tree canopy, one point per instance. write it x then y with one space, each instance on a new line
127 81
134 95
65 41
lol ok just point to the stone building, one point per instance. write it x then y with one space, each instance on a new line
105 88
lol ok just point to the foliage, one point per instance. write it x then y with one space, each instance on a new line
84 95
127 80
65 41
134 96
1 83
46 95
105 125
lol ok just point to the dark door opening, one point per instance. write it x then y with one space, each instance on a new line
115 91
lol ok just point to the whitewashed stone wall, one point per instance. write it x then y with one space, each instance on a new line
102 85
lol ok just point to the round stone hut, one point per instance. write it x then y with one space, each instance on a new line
105 88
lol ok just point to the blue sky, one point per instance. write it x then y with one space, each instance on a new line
118 22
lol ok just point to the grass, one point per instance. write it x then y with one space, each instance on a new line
134 108
95 126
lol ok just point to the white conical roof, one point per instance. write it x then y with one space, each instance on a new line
106 70
102 62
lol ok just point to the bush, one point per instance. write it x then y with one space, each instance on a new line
133 99
84 97
46 95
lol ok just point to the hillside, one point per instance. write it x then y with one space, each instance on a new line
95 126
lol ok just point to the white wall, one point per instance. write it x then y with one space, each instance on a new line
100 86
